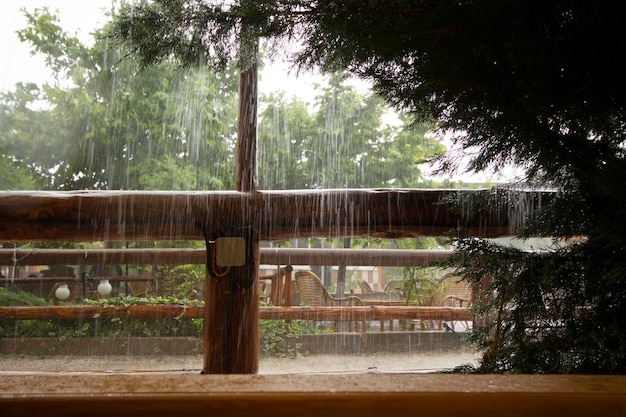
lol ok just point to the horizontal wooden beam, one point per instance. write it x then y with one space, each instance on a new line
367 313
37 216
352 257
271 256
164 256
359 313
75 279
166 394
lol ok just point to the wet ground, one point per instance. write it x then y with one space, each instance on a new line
314 364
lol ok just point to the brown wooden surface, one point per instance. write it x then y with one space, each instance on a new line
277 313
271 256
380 302
351 257
37 216
30 280
247 180
365 313
163 256
231 314
281 291
231 317
159 394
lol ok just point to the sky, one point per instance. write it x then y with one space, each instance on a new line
77 17
80 17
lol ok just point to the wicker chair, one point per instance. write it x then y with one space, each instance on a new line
365 287
368 293
383 296
458 293
394 289
313 292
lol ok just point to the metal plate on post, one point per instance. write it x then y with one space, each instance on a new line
230 251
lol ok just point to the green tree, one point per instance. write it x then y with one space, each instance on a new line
15 172
346 124
341 143
285 129
539 84
508 78
105 123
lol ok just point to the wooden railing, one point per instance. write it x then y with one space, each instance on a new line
356 313
110 216
182 256
245 218
85 217
275 215
170 256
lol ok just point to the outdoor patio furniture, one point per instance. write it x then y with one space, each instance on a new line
394 288
280 287
262 296
458 293
365 287
368 293
140 288
313 292
449 291
281 293
379 298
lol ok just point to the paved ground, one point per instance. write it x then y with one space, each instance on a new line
314 364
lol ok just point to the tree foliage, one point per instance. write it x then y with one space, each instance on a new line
342 142
539 84
105 123
515 79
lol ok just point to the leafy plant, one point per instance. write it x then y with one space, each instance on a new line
188 289
17 297
278 338
419 285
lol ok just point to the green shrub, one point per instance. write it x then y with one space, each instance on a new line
278 337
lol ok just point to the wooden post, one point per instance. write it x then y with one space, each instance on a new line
288 293
247 131
231 322
341 272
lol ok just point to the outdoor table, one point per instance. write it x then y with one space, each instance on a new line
378 301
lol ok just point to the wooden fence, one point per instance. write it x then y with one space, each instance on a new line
40 218
356 313
171 256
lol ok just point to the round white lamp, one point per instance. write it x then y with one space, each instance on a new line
62 292
104 288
